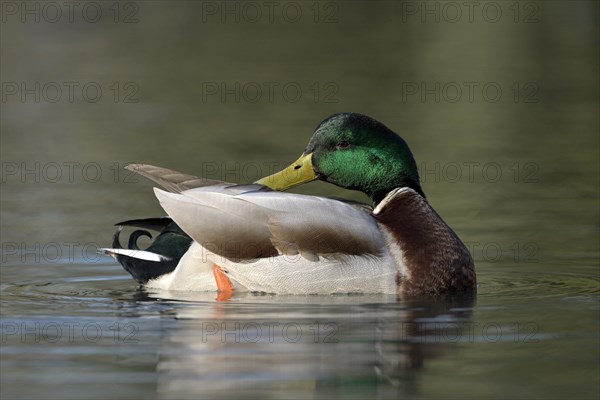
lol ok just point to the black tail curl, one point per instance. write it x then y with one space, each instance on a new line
171 243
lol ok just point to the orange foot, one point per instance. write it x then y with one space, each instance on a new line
224 286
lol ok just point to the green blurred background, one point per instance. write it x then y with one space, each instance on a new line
233 89
498 100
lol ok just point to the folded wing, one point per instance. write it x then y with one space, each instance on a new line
255 224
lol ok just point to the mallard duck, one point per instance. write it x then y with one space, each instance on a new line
227 237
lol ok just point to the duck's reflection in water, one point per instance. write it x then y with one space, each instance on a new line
306 346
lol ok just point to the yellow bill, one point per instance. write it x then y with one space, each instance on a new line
299 172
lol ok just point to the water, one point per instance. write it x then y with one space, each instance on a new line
516 178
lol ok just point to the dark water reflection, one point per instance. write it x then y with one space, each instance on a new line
359 350
91 332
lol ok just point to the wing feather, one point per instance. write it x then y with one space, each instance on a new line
221 231
258 224
318 225
172 181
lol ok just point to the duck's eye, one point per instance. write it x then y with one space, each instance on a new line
343 144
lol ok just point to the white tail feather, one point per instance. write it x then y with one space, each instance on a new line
139 254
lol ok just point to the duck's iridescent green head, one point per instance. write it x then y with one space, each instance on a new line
355 152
